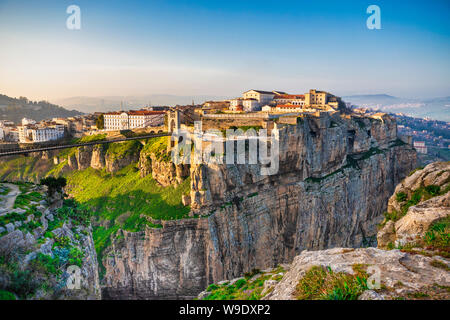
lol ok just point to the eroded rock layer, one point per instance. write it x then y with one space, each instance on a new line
335 176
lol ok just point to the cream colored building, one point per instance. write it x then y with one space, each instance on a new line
296 99
263 97
133 119
288 108
250 105
315 97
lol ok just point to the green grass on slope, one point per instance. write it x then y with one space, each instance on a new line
24 168
123 149
123 201
125 192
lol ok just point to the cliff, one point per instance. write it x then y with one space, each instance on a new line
43 239
319 199
414 265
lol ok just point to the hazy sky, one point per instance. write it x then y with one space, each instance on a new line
223 47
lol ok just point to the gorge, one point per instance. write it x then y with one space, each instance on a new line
183 227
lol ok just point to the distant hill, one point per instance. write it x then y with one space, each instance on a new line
113 103
434 108
15 109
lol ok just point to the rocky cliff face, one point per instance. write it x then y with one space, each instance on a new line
165 172
415 264
336 174
42 241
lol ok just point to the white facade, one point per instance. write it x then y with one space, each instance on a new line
250 105
263 97
288 108
2 134
267 108
29 134
298 100
133 119
235 102
26 122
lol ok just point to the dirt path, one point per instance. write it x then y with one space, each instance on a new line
10 198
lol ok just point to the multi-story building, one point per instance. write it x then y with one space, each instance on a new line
296 99
26 122
315 97
34 133
133 119
263 97
420 147
288 108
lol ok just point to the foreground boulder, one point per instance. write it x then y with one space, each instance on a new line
401 275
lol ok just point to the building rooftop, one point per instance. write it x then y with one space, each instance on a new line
136 112
260 91
290 96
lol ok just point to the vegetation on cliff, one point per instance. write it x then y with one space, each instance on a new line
40 237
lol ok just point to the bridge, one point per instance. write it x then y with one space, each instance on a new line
173 126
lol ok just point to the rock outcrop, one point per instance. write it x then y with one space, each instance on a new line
335 176
42 243
420 200
400 275
164 171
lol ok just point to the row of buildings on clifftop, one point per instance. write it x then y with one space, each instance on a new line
278 102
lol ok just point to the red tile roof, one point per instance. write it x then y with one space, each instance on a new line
290 96
137 112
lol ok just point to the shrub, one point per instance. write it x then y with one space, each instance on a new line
401 196
76 257
6 295
320 283
433 190
22 283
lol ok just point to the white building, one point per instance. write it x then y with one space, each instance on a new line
296 99
2 134
263 97
33 133
133 119
420 147
250 104
288 108
26 122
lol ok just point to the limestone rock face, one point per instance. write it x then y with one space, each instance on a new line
165 172
114 164
167 263
436 173
335 177
21 247
399 272
83 156
98 157
416 222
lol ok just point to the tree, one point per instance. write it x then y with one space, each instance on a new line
100 122
54 184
